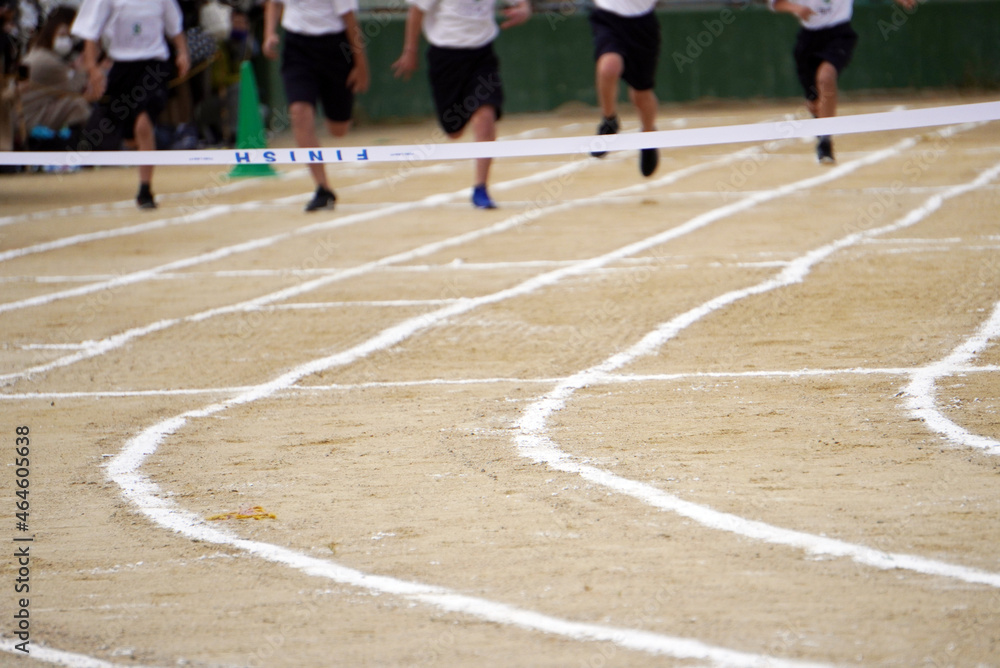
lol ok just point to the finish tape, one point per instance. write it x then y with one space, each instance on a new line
726 134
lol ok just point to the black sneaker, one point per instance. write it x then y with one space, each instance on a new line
323 199
608 126
824 150
144 200
649 158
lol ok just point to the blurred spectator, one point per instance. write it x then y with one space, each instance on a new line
10 69
239 45
49 5
53 98
216 19
10 49
30 18
181 125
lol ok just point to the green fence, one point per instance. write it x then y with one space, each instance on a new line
724 52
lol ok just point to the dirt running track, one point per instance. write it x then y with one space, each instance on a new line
744 412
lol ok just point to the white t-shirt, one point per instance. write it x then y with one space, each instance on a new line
134 30
316 17
826 13
626 7
459 24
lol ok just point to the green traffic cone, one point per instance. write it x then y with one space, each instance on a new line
249 126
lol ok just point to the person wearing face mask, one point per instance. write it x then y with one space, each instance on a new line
55 95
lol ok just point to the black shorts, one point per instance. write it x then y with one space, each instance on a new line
314 68
635 38
834 45
462 81
135 87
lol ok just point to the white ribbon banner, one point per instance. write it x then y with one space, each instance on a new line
727 134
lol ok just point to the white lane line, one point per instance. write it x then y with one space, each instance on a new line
129 204
111 343
500 613
201 215
106 345
608 379
534 443
392 303
124 469
402 174
116 341
264 242
54 346
122 394
79 278
922 388
58 657
454 265
227 184
456 600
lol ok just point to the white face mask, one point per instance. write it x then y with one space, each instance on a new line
62 45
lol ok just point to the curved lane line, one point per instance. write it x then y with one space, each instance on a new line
922 389
533 442
124 468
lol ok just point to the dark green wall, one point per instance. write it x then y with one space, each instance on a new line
721 53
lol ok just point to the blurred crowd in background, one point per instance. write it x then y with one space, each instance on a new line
45 101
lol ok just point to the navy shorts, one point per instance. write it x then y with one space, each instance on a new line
135 87
462 81
834 45
635 38
314 68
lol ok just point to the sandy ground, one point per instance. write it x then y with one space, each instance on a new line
517 447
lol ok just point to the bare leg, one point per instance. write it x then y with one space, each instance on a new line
646 104
303 117
811 106
484 128
608 73
825 106
145 140
338 128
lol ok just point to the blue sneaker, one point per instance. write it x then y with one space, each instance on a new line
481 198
